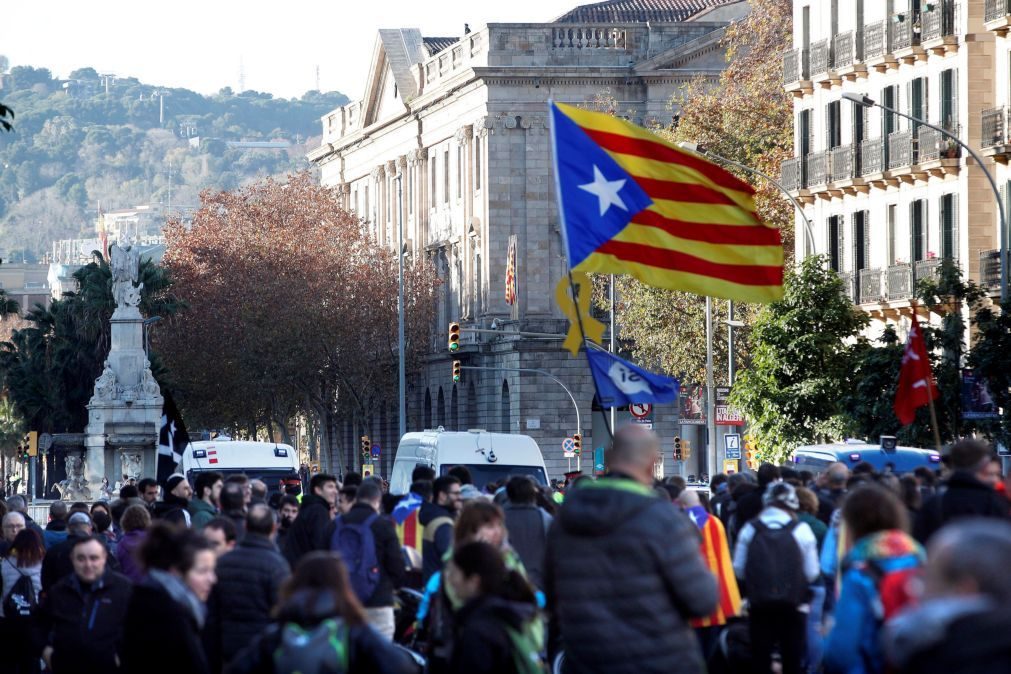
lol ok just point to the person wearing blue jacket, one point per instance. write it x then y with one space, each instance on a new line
875 579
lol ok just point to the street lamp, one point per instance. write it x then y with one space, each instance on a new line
867 102
808 232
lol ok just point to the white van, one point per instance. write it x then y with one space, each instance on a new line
275 464
490 457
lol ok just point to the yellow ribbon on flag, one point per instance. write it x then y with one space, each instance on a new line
593 328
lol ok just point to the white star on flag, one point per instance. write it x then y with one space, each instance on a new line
605 190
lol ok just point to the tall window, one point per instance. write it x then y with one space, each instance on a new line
861 241
949 99
433 197
836 242
949 226
833 125
917 100
477 163
918 230
892 248
889 120
445 176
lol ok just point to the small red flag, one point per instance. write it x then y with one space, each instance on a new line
916 381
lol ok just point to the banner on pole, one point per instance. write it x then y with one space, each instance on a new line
692 405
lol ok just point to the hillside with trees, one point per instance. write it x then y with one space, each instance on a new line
93 139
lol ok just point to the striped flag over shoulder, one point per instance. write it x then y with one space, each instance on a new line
632 203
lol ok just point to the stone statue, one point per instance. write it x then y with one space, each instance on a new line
133 463
149 388
106 386
125 263
75 487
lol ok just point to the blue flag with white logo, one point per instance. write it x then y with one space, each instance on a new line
620 383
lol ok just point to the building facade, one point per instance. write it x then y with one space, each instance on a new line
889 198
451 139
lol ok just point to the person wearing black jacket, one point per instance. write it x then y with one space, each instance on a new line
166 612
623 572
749 505
175 506
311 529
58 562
392 568
969 492
81 616
249 578
437 517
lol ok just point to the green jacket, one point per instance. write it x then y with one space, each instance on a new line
201 512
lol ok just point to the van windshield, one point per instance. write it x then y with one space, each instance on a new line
272 477
485 473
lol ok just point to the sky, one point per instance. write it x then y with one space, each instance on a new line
203 45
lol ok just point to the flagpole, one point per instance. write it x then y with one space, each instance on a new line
930 391
611 294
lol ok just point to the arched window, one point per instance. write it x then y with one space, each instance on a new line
441 411
454 410
506 409
428 408
471 406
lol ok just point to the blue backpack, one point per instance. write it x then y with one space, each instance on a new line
357 548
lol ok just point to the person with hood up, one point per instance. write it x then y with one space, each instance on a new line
623 574
320 626
497 604
964 621
877 579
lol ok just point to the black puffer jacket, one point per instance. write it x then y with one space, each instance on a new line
368 652
84 625
249 578
623 575
963 496
482 645
310 530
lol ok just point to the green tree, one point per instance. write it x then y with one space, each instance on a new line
803 351
49 367
989 357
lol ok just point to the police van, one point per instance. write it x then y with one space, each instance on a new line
274 463
490 457
887 455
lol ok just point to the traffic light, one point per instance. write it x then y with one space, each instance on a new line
577 443
366 446
456 371
677 448
454 337
686 450
33 443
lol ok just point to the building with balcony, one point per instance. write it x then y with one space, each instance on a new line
450 138
889 198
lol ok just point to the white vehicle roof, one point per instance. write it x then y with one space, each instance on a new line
237 454
470 447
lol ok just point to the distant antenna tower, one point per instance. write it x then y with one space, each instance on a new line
317 79
242 76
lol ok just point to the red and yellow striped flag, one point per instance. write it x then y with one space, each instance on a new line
716 554
632 203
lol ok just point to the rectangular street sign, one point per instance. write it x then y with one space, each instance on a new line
732 446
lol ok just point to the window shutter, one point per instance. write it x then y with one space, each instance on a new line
855 222
954 250
925 226
841 243
867 239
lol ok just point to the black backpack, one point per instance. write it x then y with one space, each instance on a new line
21 602
323 649
774 572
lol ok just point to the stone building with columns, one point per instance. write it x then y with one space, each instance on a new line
459 125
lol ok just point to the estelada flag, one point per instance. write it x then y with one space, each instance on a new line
716 554
916 381
405 517
632 203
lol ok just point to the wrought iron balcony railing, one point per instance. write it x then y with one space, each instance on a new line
843 50
842 163
996 9
993 127
872 156
932 144
821 57
938 20
900 282
791 174
989 268
928 269
795 66
901 30
877 41
871 286
900 149
817 168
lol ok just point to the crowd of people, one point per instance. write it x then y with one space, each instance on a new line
849 571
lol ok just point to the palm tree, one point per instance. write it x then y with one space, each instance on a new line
8 307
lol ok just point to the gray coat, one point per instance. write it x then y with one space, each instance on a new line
528 535
623 576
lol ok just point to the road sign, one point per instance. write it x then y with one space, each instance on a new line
569 445
732 445
375 450
640 410
730 466
314 468
368 469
